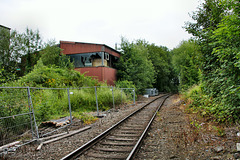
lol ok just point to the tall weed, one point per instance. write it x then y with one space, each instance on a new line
208 106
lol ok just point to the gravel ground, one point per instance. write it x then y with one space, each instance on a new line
179 134
59 149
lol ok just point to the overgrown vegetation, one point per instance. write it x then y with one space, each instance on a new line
186 62
53 77
216 29
54 103
49 102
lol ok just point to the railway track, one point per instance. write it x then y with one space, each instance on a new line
123 139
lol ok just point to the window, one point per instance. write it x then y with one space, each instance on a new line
92 59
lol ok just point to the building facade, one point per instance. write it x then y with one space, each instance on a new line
95 60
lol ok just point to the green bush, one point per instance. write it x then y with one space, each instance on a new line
48 103
208 106
125 84
53 77
216 29
83 100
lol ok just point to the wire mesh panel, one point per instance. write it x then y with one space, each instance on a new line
27 113
128 95
100 98
16 116
51 107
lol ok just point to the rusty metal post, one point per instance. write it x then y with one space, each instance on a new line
96 100
69 105
113 99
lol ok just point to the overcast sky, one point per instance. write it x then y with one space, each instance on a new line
101 21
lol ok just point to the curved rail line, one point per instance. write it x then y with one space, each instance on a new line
122 140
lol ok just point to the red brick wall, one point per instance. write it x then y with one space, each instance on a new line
110 75
101 73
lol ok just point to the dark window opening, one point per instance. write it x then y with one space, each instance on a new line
93 59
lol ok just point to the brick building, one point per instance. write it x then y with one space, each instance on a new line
95 60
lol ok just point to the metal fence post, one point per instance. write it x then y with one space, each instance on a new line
29 104
113 98
96 100
30 101
69 105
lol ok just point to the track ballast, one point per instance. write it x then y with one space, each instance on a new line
123 139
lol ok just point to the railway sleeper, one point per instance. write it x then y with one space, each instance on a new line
120 140
131 128
122 149
145 116
113 138
130 132
139 122
106 156
118 143
127 135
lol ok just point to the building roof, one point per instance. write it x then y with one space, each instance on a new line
5 27
71 42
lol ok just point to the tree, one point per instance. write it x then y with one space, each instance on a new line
135 66
10 53
52 55
185 59
32 43
165 75
217 31
16 47
207 18
226 50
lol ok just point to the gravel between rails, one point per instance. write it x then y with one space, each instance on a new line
59 149
114 146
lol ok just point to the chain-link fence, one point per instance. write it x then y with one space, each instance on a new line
23 110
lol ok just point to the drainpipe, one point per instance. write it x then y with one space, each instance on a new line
102 58
103 50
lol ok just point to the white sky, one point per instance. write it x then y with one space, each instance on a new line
101 21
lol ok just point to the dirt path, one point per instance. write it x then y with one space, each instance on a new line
177 134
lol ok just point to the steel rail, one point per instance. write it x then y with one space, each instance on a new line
79 151
138 144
